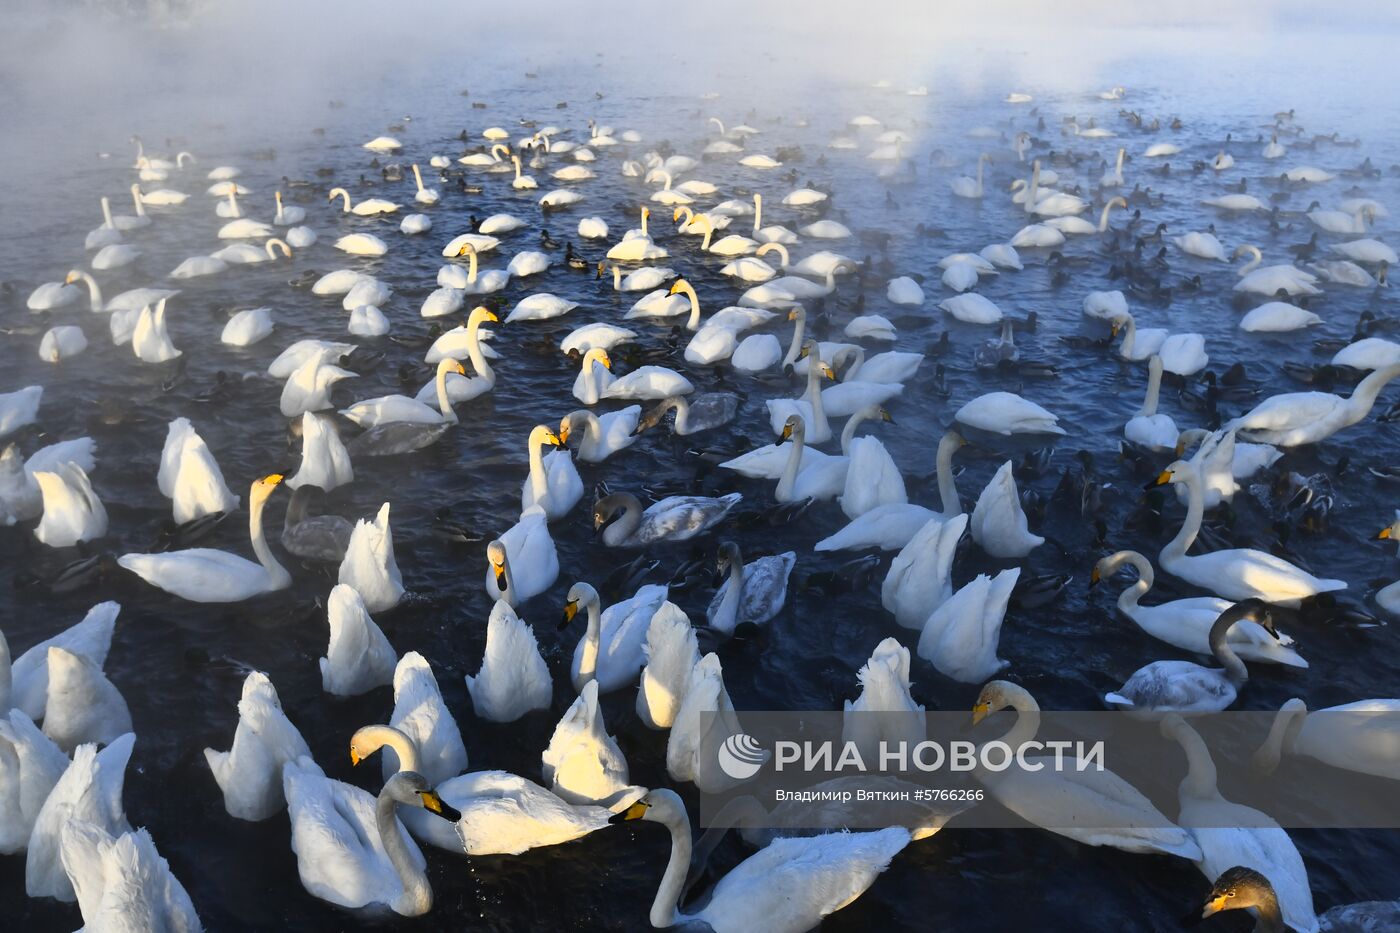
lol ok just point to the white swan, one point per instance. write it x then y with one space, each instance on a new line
1359 736
72 511
351 849
1268 280
90 790
325 463
787 887
872 478
553 483
998 523
971 308
362 244
885 711
1277 317
671 652
522 562
1234 573
1092 806
358 656
1186 623
473 281
601 437
250 773
513 679
965 187
810 407
596 335
611 651
205 575
920 577
369 207
960 637
820 480
594 376
500 813
1201 245
122 882
894 525
386 409
582 763
1295 418
421 714
1007 413
30 766
151 338
1231 834
190 477
310 383
751 593
19 408
82 705
1147 428
1186 687
247 327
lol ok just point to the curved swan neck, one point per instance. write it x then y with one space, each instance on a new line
257 499
376 737
627 523
444 403
592 641
94 290
1103 218
478 358
1253 263
1363 397
274 244
799 331
1220 647
1200 777
848 433
1282 733
471 265
685 288
1195 511
709 233
665 908
681 405
1154 387
793 466
1027 716
1125 349
417 895
539 478
1129 598
345 196
943 465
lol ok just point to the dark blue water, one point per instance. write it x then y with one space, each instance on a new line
180 666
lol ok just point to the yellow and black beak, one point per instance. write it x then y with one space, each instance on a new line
1162 479
500 570
1214 906
1385 533
828 372
980 712
635 812
787 432
554 439
434 804
273 479
677 285
563 434
355 756
570 610
887 417
1095 577
606 361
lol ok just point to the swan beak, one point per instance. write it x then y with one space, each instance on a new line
1094 577
792 315
980 712
434 804
828 372
459 369
677 285
570 610
1213 906
70 278
635 812
491 316
500 570
273 479
1162 479
554 439
355 756
887 417
676 214
1180 448
1114 330
787 432
563 435
1385 534
606 361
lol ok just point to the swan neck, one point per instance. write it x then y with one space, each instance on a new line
1200 780
799 331
644 221
475 354
617 279
444 403
1129 598
665 909
1283 732
418 177
592 641
1220 647
947 486
681 405
693 322
107 213
277 574
1191 525
1154 387
1034 188
625 526
1359 405
471 267
793 466
848 433
404 748
94 291
417 896
539 479
758 215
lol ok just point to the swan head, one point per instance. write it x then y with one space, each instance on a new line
1176 472
482 315
1238 888
794 426
610 508
264 485
998 695
580 594
496 556
657 806
412 789
466 250
597 355
728 556
72 277
1255 610
679 286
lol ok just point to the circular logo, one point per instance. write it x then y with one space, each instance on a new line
741 756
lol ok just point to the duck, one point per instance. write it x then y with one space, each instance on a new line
369 565
1186 687
501 813
621 522
522 562
1232 573
1231 834
513 679
959 637
1186 623
358 656
351 849
601 436
1296 418
752 593
1242 888
787 887
553 482
1090 805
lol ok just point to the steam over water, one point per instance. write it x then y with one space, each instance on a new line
253 85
